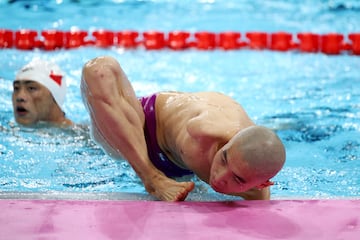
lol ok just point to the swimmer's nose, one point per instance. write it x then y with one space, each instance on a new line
20 95
20 99
221 177
221 183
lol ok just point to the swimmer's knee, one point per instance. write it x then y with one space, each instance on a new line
102 61
99 61
96 64
100 68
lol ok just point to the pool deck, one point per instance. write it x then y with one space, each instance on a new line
145 219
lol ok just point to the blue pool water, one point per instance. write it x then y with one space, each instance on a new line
311 100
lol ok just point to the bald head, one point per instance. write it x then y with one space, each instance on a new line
262 149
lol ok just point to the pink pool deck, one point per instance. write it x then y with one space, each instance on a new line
139 219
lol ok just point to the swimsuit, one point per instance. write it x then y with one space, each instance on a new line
156 155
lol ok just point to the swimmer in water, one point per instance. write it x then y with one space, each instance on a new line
39 91
171 134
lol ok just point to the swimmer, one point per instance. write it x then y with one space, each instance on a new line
39 91
171 134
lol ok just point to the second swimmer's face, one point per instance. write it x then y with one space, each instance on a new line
32 102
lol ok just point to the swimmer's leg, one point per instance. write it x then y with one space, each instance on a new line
118 119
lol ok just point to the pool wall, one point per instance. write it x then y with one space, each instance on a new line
90 219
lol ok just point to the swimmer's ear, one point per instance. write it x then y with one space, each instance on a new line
268 183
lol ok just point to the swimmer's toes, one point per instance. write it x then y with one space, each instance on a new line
190 186
181 196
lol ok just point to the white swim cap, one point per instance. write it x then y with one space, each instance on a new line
48 74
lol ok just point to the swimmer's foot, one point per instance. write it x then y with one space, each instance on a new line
168 189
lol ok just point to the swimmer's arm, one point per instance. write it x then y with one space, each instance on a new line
115 113
255 194
124 131
126 134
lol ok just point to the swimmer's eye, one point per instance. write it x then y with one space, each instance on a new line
239 180
16 86
224 158
32 88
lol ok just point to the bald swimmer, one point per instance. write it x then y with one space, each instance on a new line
172 134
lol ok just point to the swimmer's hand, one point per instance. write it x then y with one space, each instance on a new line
167 189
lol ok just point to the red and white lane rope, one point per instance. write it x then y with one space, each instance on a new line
331 43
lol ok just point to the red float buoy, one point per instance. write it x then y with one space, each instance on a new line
104 38
355 46
6 38
205 40
331 43
177 40
229 40
127 39
309 42
25 39
258 40
154 40
281 41
53 39
75 38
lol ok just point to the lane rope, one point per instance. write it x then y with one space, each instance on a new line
307 42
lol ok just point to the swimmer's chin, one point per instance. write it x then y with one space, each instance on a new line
237 191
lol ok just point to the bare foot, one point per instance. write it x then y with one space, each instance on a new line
168 189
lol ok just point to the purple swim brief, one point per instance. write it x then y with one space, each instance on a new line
156 155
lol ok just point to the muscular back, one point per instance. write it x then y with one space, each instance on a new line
191 127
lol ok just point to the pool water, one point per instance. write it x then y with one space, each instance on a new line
312 101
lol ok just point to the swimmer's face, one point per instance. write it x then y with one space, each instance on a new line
230 173
32 102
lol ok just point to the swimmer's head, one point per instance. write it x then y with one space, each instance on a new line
39 91
46 73
252 157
